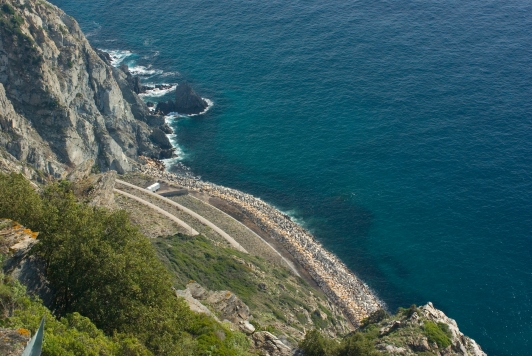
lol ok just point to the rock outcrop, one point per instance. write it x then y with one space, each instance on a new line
60 102
227 305
16 242
186 101
13 342
269 345
461 344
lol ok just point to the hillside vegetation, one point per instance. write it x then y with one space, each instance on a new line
101 267
279 301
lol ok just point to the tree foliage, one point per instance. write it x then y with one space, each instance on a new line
103 268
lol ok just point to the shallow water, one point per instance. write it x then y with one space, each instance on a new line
397 132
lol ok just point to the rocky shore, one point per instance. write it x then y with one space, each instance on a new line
344 288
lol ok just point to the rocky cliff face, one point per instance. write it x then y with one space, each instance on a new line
62 103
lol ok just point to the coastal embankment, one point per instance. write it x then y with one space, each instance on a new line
341 285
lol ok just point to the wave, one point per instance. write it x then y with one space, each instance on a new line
117 56
157 92
144 71
210 104
180 154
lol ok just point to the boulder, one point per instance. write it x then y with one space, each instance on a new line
197 291
13 342
133 81
101 189
246 327
159 138
166 129
187 101
165 154
269 345
16 242
165 107
229 305
155 120
82 171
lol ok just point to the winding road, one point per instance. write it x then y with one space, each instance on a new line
204 221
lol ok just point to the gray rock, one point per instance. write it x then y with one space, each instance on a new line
166 129
194 304
160 139
269 345
187 101
197 291
61 102
155 120
82 171
246 327
461 344
13 342
101 190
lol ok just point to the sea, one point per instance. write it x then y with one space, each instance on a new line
398 132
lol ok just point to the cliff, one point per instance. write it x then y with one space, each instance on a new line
61 102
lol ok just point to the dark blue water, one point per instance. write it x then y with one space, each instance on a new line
398 132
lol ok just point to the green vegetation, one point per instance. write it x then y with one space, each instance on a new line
8 9
438 333
402 330
101 267
355 344
375 317
253 279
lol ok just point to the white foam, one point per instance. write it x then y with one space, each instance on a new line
210 104
117 56
155 54
178 151
156 92
170 74
144 71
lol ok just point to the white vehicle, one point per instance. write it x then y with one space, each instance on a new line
154 187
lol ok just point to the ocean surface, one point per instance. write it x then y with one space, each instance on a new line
398 132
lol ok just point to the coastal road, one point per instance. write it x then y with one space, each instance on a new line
204 221
180 222
288 263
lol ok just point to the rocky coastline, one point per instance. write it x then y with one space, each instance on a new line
342 286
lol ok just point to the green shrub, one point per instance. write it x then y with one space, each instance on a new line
375 317
8 9
357 344
437 333
318 321
316 344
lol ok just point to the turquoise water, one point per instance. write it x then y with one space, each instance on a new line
399 133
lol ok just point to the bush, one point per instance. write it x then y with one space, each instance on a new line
376 317
315 344
437 333
8 9
355 344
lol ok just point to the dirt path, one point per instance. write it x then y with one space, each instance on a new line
222 233
159 210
